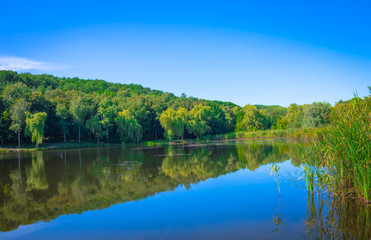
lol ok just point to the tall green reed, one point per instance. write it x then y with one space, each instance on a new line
344 152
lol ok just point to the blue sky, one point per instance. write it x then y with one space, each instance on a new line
257 52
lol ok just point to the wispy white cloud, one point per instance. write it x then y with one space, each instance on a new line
18 64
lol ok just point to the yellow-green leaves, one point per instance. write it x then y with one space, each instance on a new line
172 123
128 127
197 123
253 119
35 126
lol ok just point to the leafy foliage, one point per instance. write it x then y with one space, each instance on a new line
71 102
128 127
35 124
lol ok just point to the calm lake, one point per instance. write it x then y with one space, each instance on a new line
204 191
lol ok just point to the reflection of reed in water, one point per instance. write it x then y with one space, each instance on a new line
277 219
332 218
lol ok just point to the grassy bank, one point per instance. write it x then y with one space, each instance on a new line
304 134
291 134
73 145
51 146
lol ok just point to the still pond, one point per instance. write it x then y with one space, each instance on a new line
223 190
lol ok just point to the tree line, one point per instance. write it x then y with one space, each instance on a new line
45 107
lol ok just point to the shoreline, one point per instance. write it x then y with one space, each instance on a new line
161 142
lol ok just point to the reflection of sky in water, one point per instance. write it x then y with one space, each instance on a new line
237 205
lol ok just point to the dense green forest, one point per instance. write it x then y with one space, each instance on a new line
41 108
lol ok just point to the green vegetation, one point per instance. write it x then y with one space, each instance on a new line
74 109
35 126
344 153
128 127
83 110
18 116
90 110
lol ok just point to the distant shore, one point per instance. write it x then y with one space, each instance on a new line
258 135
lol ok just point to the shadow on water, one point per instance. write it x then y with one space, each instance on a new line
40 186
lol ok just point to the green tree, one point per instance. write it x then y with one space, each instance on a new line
18 117
13 92
95 126
274 114
294 117
63 114
197 124
172 123
4 123
79 111
253 119
182 115
217 123
128 127
315 114
35 124
107 112
7 77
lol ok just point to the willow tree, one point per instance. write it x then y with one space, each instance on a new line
128 128
173 122
35 124
182 115
95 126
18 117
197 122
169 123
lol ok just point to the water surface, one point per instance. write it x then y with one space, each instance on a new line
206 191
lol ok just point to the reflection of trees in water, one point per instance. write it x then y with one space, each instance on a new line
194 166
254 154
14 201
36 178
129 174
329 218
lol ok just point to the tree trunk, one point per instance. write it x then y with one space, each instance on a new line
98 140
79 133
64 135
19 139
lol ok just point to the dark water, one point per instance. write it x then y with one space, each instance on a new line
214 191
